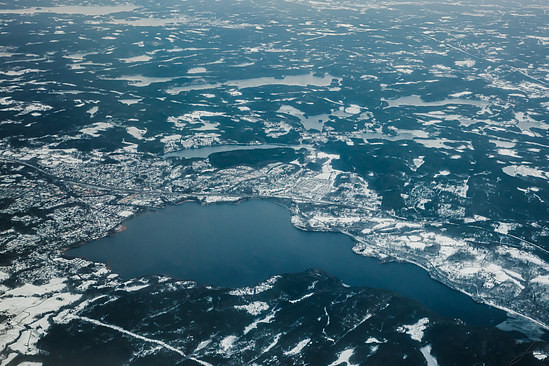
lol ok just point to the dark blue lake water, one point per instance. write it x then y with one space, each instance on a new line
232 245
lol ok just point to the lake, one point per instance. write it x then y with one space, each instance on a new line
235 245
205 151
302 80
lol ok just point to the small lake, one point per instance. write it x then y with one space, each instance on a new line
309 122
416 101
234 245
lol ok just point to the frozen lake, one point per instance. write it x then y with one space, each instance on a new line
291 80
205 151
